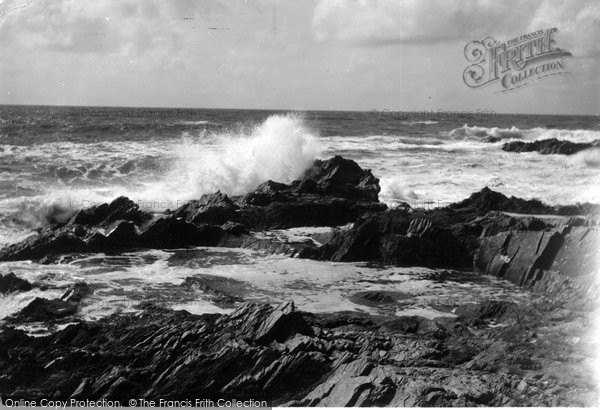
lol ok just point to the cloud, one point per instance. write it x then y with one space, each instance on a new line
421 22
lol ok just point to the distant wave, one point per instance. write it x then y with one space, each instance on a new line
424 122
530 134
198 122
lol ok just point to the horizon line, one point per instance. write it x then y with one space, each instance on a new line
488 112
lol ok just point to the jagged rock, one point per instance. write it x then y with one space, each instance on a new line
121 208
549 146
122 235
264 324
393 239
223 291
76 292
487 200
542 258
306 211
48 242
331 193
267 193
11 283
40 310
214 208
173 232
292 358
235 228
341 178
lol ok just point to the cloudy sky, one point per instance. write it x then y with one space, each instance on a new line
311 54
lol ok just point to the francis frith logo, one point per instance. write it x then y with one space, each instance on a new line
516 62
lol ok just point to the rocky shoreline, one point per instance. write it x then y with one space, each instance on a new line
550 146
492 353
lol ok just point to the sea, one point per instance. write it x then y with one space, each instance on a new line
55 160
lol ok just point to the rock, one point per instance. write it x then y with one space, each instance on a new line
121 208
413 324
485 311
341 178
267 193
330 193
287 357
49 242
549 146
561 259
122 235
392 238
11 283
377 297
264 324
214 208
223 291
306 211
76 292
174 232
42 310
235 228
487 200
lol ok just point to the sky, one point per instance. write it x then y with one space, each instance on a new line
405 55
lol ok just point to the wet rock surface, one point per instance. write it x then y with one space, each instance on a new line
329 193
11 283
549 146
493 354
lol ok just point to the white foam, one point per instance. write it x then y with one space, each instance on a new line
528 134
279 149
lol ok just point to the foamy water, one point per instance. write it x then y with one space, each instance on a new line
45 182
49 170
120 283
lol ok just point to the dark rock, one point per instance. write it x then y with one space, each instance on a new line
214 208
375 296
122 235
486 310
223 291
76 292
550 260
11 283
121 208
292 358
267 193
549 146
41 310
173 232
306 211
487 200
331 193
235 228
49 242
392 238
265 325
341 178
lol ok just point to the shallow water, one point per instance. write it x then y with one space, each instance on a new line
120 283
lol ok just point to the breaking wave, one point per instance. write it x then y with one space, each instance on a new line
530 134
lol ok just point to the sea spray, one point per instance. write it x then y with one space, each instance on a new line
280 149
235 163
396 189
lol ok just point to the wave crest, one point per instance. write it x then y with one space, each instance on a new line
280 149
529 134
